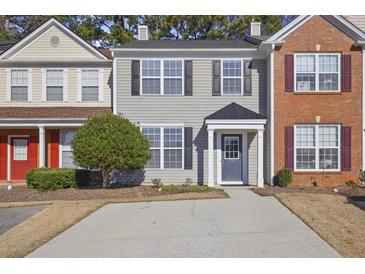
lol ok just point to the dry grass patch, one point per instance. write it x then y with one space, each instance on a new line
60 215
335 219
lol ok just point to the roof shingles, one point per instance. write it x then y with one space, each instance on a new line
234 111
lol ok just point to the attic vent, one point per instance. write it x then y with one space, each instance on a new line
55 41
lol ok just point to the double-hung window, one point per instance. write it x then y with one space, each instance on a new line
19 85
66 149
90 84
317 147
166 147
162 77
54 80
317 72
232 77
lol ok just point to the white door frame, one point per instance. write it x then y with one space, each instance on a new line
244 156
8 171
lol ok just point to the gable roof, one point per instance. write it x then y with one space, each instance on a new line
41 29
234 111
338 21
186 44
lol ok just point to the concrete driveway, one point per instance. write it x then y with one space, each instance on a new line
245 225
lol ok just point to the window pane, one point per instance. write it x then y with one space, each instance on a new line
54 93
328 158
20 150
151 68
231 86
173 158
90 77
305 136
232 68
305 63
172 137
328 136
153 135
306 158
19 93
328 63
66 139
328 81
172 86
90 93
54 78
173 68
68 159
151 86
231 147
306 81
154 162
19 77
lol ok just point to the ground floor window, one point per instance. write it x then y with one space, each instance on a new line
317 147
66 149
166 146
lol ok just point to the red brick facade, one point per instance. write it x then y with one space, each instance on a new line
334 108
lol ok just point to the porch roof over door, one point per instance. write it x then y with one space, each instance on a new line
235 116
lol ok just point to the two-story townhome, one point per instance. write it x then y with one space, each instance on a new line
50 83
236 112
316 116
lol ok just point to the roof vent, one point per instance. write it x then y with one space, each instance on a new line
142 32
55 41
255 28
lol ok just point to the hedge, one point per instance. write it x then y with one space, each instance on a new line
46 179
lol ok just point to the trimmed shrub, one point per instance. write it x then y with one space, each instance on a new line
285 177
46 179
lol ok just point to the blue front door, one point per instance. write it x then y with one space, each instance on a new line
232 158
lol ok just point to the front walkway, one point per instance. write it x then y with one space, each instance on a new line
245 225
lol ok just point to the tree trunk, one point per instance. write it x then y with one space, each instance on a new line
106 177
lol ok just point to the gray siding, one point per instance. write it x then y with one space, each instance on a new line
191 111
357 20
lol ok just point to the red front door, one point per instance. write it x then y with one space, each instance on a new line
19 157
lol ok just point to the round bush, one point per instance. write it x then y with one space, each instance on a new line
284 177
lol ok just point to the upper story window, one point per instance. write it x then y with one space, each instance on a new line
162 77
317 147
317 72
54 80
19 85
90 84
232 77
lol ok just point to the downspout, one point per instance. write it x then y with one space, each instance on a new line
272 105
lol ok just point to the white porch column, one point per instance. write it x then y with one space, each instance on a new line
210 157
260 158
42 146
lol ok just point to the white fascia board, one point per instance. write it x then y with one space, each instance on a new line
349 25
236 121
41 28
236 126
297 22
175 49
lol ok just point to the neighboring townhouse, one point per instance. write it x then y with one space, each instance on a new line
236 112
50 83
317 123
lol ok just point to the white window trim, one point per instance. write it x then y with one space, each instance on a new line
9 85
64 85
100 85
162 76
60 146
317 54
232 77
162 146
317 147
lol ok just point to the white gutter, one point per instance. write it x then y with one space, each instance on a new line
183 49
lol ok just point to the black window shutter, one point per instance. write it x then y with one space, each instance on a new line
188 85
247 77
135 77
188 149
216 87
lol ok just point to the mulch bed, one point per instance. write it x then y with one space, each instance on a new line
24 194
341 190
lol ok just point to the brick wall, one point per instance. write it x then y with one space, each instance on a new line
334 108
